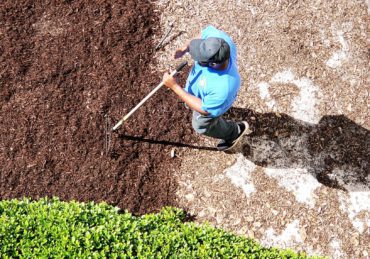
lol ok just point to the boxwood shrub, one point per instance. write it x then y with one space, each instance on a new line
50 228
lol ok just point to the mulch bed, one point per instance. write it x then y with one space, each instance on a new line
69 70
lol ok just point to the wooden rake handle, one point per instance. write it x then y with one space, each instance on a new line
178 69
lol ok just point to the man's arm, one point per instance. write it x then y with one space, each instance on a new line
192 101
185 48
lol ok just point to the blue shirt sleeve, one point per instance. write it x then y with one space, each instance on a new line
213 103
211 31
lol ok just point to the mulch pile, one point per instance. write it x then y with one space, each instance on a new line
69 70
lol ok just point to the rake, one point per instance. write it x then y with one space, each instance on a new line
178 69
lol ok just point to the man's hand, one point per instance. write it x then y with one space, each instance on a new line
192 101
181 51
169 81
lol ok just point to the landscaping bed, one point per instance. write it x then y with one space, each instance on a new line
69 71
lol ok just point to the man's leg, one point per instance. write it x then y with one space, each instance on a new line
215 127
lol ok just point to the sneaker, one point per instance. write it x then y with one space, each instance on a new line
224 145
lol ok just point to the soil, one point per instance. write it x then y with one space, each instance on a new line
69 70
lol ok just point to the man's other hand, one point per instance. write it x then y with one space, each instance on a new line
181 52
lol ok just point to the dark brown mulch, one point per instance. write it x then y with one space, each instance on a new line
69 70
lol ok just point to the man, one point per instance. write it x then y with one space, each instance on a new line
212 86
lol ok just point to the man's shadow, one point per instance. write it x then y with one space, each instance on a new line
336 150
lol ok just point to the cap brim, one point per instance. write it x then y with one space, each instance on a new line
194 49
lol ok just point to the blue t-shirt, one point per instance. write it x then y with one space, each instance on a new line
217 89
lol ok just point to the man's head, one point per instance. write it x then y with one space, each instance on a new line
210 50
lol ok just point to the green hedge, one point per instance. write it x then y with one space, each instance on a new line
50 228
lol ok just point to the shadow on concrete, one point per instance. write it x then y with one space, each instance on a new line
336 150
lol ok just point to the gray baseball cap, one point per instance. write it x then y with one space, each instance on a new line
209 50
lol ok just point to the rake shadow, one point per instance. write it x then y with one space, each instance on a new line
164 142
